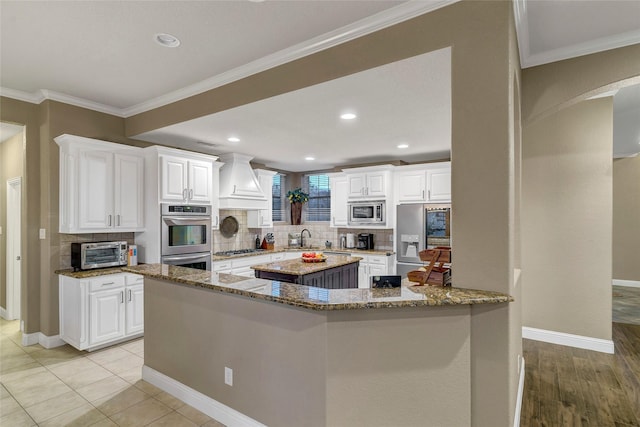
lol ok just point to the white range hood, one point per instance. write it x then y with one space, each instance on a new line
239 187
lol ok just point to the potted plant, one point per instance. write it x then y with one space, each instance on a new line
297 198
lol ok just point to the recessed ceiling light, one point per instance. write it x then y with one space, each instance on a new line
233 139
167 40
309 158
403 145
348 116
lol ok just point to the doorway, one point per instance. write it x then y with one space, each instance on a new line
14 254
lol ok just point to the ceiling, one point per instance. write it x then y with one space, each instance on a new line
102 55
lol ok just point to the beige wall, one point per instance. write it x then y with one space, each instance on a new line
11 166
626 219
297 367
567 220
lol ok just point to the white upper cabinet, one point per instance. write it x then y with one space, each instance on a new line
215 195
339 210
429 183
185 180
101 186
368 185
263 217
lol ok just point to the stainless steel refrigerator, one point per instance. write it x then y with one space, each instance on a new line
420 226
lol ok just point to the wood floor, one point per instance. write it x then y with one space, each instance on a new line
566 386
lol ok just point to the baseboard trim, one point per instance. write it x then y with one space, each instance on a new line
627 283
570 340
516 419
3 313
42 339
211 407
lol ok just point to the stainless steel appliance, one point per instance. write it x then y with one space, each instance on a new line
87 256
365 241
350 241
186 235
420 227
367 213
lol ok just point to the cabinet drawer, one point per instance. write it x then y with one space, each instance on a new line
104 283
377 259
133 279
277 257
224 265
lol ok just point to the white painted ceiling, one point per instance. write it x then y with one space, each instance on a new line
101 55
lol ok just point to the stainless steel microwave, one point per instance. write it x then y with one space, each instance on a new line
87 256
367 213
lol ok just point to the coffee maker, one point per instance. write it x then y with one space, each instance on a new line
365 241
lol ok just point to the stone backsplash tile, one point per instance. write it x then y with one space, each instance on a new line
64 250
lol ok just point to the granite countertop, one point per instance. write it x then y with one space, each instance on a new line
85 274
318 298
298 267
309 249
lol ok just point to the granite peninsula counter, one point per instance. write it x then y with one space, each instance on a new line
309 356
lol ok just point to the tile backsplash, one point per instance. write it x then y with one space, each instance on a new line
320 233
67 239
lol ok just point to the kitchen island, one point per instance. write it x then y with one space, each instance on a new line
333 272
255 352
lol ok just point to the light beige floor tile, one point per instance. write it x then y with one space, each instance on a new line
32 348
126 363
82 416
105 423
85 377
3 391
56 356
40 379
55 406
120 401
10 327
73 366
8 405
169 400
108 355
135 347
148 388
102 388
23 371
213 423
40 393
132 375
9 348
15 360
173 419
141 413
193 414
17 419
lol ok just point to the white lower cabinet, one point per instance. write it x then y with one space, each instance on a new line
98 311
373 265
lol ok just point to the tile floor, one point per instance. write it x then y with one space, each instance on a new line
67 387
626 305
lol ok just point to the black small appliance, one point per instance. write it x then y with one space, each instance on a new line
365 241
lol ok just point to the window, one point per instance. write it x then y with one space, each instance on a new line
319 206
277 204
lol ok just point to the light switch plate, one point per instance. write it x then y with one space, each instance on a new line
43 234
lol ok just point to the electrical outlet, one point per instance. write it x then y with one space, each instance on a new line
228 376
42 233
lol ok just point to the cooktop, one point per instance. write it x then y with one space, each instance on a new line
238 252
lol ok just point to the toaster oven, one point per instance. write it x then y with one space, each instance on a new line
87 256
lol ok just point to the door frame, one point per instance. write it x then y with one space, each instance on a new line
14 247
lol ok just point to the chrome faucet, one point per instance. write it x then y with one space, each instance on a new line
302 237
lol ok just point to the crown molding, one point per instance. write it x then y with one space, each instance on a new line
395 15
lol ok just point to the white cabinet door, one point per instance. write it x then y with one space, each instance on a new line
95 202
106 316
376 184
200 181
134 309
357 184
339 208
412 186
173 179
439 181
128 191
377 270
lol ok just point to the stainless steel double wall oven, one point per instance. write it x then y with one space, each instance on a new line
186 235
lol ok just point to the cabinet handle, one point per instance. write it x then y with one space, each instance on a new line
107 284
429 194
190 194
118 218
234 189
122 297
109 220
129 294
184 194
423 194
217 219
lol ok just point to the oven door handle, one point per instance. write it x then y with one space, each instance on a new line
183 257
182 221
